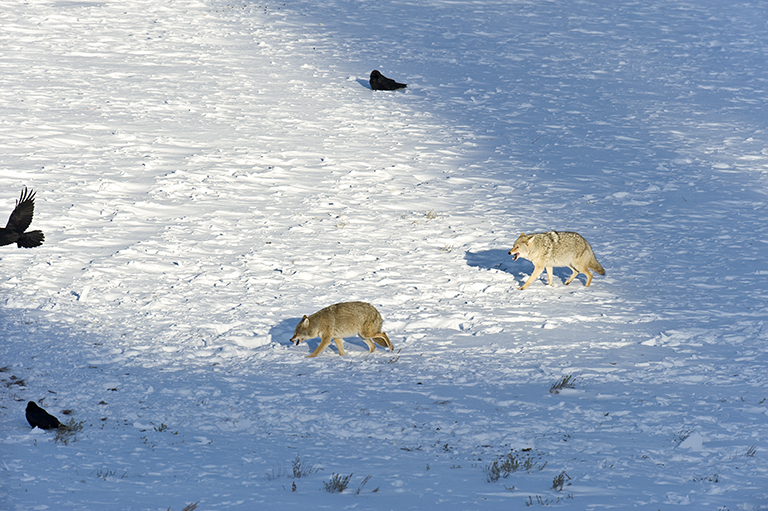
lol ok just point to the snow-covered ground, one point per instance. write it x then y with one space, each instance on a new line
209 171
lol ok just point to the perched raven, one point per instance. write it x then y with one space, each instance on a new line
37 417
380 82
18 223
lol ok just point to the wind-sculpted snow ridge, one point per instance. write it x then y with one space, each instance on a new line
206 173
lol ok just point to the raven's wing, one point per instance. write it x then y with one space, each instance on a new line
22 214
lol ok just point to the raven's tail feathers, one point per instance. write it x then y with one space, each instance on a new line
31 239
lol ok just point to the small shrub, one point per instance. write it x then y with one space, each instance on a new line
546 502
360 488
512 462
275 474
67 432
299 468
338 483
682 435
302 467
492 472
189 507
566 382
559 481
108 474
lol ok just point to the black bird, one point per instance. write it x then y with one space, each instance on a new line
18 223
380 82
37 417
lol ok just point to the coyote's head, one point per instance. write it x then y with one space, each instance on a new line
302 331
521 244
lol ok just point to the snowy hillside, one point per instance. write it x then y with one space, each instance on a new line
207 172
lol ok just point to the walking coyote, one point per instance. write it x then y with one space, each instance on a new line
342 320
550 249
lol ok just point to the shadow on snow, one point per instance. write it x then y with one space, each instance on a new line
500 260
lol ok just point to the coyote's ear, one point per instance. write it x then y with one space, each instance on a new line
522 234
304 320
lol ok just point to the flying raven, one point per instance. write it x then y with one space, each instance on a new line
18 223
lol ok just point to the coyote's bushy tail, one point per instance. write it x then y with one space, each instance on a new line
595 266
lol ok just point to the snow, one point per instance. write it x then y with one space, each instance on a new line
207 172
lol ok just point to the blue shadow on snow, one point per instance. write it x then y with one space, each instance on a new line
282 332
499 259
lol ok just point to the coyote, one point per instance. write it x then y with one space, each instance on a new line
342 320
550 249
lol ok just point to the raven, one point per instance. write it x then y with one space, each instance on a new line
37 417
380 82
18 223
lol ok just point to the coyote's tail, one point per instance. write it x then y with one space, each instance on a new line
595 266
